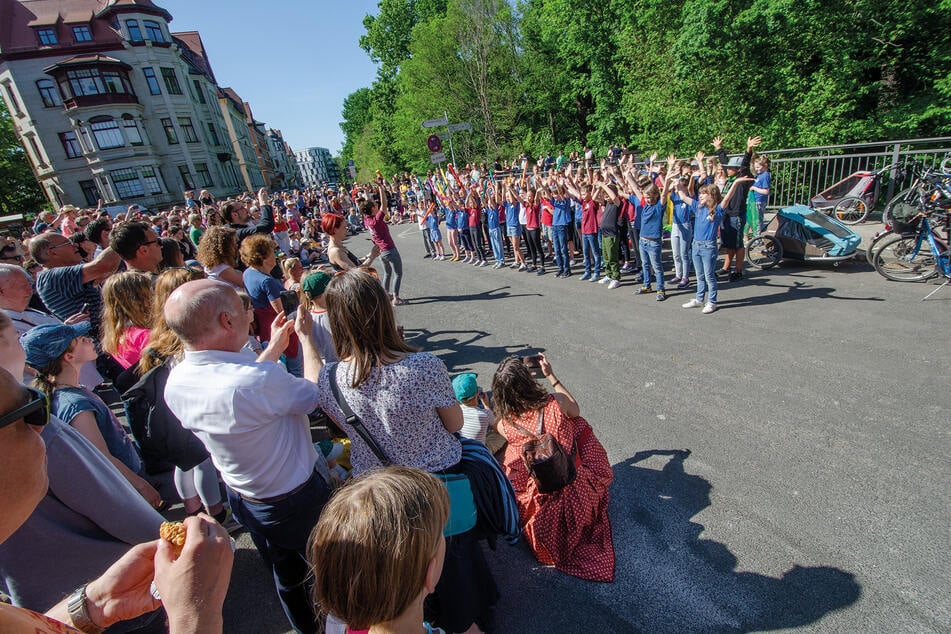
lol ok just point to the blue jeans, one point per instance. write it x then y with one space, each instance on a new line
280 530
559 237
650 260
705 264
495 237
591 247
680 239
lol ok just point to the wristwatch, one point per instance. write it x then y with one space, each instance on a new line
78 614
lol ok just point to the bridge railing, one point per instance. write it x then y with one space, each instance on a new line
798 174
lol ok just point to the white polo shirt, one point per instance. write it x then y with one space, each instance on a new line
252 418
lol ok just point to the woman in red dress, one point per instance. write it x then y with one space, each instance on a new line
569 528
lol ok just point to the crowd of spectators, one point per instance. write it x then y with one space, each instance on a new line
186 321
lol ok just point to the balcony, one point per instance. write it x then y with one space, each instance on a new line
105 99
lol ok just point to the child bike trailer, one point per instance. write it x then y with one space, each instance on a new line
802 233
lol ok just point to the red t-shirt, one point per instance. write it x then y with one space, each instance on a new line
379 232
589 218
473 216
531 216
501 214
546 212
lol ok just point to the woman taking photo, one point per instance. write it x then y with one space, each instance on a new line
568 528
258 252
406 403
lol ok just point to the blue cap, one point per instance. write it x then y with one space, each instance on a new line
465 386
46 343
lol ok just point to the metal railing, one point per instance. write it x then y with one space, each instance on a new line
801 173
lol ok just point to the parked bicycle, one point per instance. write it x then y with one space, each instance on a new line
851 199
917 253
934 185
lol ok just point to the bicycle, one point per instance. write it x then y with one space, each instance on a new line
917 257
931 184
929 179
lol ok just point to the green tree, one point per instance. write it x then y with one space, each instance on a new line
19 191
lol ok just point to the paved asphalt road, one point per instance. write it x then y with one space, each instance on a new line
782 463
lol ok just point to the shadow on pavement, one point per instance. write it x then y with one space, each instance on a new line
251 606
668 579
496 293
795 291
460 348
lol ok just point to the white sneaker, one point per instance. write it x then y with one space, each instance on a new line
614 284
693 303
521 267
594 278
709 308
483 263
604 280
571 262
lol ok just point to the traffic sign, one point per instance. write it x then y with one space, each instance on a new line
459 127
437 157
435 123
433 143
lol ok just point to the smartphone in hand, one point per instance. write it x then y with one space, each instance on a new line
289 302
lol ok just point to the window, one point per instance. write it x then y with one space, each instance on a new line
171 81
91 192
151 181
170 135
82 34
204 176
135 34
132 131
71 144
107 133
213 134
153 31
186 177
12 98
36 151
198 91
152 81
47 36
113 81
85 82
127 183
48 93
188 130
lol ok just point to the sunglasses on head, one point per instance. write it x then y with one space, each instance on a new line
35 412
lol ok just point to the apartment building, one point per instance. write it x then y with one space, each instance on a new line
317 167
112 105
285 164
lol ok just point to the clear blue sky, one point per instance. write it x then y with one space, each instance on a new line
294 61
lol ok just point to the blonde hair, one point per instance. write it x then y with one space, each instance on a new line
372 546
714 196
361 318
126 301
288 266
163 343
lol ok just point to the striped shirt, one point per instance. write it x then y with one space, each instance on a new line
63 292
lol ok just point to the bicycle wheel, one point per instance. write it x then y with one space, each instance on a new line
764 252
898 260
850 210
875 244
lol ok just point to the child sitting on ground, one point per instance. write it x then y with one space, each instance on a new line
378 550
478 420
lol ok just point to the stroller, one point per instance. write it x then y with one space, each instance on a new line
804 234
851 199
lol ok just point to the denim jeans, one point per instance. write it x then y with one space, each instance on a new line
495 236
592 253
559 237
705 263
680 239
392 270
280 530
650 260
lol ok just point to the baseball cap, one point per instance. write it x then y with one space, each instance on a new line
315 284
465 385
45 343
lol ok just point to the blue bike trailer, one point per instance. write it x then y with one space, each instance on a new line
811 235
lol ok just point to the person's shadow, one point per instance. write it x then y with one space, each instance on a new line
667 578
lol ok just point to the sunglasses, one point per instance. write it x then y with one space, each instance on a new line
35 412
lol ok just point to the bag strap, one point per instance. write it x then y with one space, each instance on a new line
541 425
541 421
353 420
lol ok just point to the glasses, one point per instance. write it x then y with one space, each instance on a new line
61 244
148 242
15 258
35 412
